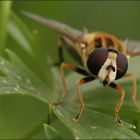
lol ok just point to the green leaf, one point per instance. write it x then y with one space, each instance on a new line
5 7
21 116
20 79
29 46
51 133
18 35
94 125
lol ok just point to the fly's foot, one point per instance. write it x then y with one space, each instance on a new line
56 64
58 102
119 121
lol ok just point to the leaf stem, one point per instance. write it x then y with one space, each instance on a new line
49 114
47 119
34 129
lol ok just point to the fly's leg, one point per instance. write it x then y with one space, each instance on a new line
63 42
81 82
72 68
60 52
134 89
118 107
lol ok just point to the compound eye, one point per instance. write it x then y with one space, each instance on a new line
96 60
122 65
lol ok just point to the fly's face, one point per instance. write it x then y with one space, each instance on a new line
107 64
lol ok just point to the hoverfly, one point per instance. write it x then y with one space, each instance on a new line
101 55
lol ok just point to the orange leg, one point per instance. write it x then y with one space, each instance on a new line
118 107
81 82
134 89
72 68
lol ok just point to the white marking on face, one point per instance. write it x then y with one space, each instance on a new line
103 73
83 45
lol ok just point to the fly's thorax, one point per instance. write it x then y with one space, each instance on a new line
86 48
103 40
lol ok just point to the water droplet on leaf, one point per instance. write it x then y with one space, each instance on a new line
4 81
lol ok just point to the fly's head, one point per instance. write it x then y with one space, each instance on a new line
107 64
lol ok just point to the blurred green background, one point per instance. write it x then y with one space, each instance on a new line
121 18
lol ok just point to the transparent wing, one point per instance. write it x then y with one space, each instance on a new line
71 33
133 48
